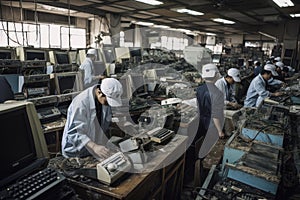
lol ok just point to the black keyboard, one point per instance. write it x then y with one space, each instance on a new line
33 186
160 135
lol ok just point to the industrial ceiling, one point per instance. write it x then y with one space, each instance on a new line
249 16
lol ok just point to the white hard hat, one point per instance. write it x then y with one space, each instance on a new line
270 67
277 59
255 62
113 90
235 74
209 71
279 64
91 52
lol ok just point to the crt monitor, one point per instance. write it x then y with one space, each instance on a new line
59 57
6 54
135 52
21 144
68 82
62 57
25 53
35 54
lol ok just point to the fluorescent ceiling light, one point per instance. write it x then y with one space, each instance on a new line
160 26
150 2
267 35
188 11
184 30
144 23
224 21
295 15
284 3
211 34
53 8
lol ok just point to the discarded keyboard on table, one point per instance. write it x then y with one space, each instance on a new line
160 135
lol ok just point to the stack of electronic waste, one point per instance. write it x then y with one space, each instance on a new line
253 155
218 188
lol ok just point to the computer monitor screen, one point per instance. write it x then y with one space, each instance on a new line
62 57
288 53
135 52
35 55
5 54
65 83
17 147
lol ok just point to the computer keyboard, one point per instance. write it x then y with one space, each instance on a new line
160 135
32 186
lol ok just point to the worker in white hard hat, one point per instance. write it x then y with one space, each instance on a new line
283 72
88 119
257 91
277 59
225 85
277 81
210 104
88 66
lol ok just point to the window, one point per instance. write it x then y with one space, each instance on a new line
15 34
41 35
3 36
77 37
172 43
45 43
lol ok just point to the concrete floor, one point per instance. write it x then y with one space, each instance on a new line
213 158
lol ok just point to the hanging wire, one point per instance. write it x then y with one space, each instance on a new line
5 30
22 25
36 21
14 23
69 23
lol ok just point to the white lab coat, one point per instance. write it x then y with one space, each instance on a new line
82 124
89 72
226 89
256 92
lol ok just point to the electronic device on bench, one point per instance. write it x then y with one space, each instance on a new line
112 168
23 149
45 107
160 135
34 186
